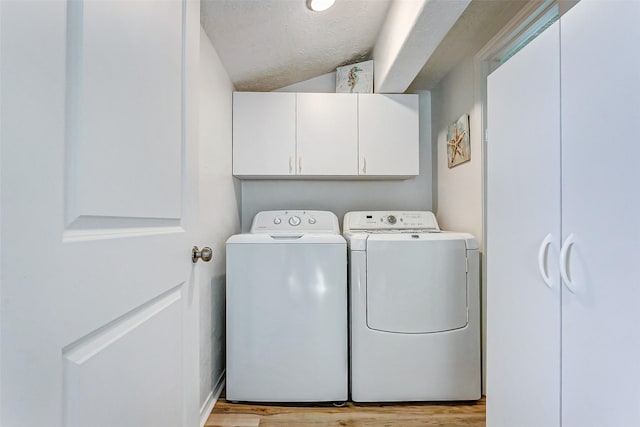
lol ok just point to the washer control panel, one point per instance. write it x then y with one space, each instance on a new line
293 221
390 220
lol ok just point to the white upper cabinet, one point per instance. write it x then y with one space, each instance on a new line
264 133
327 134
316 135
388 135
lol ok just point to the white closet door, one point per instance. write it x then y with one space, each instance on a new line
523 208
601 210
327 134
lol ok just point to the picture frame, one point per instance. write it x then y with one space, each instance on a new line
355 78
458 146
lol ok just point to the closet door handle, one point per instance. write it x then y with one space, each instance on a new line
300 164
542 256
364 164
290 165
564 263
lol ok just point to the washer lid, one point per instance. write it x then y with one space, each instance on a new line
416 285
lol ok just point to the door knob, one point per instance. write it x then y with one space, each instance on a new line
206 254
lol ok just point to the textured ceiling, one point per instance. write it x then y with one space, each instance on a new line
269 44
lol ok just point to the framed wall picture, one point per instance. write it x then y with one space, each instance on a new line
458 147
355 78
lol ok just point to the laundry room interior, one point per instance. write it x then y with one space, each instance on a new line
455 195
381 213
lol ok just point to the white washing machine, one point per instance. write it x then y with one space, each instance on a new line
287 309
414 309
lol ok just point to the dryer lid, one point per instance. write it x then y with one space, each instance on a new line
416 285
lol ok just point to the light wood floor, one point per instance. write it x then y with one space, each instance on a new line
464 414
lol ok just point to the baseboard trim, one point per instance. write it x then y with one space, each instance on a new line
208 405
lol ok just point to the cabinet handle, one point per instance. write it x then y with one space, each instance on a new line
542 256
364 164
290 165
299 164
564 263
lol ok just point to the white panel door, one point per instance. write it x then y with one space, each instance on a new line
327 134
523 231
601 211
99 127
264 133
388 139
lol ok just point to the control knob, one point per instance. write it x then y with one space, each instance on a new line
295 220
391 219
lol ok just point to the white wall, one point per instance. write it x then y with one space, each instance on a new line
219 199
458 198
325 83
344 196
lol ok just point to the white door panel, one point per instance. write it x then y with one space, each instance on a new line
99 311
124 359
523 207
124 71
600 208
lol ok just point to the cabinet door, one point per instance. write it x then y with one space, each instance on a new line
388 139
523 208
327 134
264 133
601 210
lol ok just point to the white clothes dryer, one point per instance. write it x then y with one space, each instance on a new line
414 309
287 309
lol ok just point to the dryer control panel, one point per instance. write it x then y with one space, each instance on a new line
390 220
295 222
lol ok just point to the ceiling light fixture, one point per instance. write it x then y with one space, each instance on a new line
320 5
